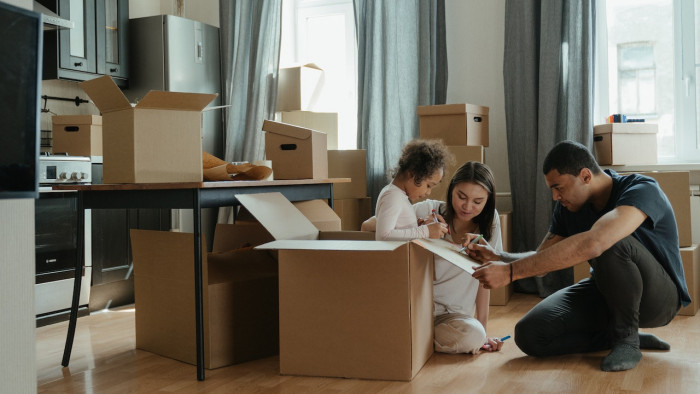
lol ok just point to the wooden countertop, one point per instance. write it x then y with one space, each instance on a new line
197 185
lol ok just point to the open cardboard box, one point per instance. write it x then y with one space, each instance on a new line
349 308
240 296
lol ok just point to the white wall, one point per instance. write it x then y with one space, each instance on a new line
17 324
475 31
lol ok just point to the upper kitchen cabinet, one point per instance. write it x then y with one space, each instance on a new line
95 46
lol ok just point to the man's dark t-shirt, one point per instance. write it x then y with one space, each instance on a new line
658 233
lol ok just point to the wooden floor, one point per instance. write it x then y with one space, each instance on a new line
105 361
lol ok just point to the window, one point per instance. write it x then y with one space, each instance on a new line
323 33
648 57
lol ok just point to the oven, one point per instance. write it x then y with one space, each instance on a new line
56 229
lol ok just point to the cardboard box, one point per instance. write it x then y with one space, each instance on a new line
299 87
354 309
240 299
676 186
348 164
296 152
352 212
320 214
625 143
582 271
695 218
158 140
77 135
462 155
325 122
691 267
502 295
455 124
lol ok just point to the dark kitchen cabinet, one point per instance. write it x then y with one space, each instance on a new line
112 264
96 46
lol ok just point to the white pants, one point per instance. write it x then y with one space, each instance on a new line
458 333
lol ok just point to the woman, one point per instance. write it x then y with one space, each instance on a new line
461 306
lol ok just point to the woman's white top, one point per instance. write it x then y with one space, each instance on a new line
454 290
396 219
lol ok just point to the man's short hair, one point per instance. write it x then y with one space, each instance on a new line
569 157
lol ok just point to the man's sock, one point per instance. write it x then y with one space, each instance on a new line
622 357
651 341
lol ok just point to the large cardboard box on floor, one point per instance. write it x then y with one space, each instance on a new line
455 124
296 152
159 140
625 143
691 267
240 291
299 87
352 212
350 163
502 295
77 135
348 308
325 122
462 154
676 186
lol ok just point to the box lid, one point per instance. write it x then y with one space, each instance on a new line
105 94
279 216
156 99
626 128
288 130
354 245
448 251
308 65
451 109
76 119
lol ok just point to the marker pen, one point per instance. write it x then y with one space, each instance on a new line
473 241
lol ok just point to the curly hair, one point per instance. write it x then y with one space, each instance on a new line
479 174
421 158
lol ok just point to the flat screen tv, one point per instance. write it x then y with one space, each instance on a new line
21 42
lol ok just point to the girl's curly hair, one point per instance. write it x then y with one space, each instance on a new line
421 158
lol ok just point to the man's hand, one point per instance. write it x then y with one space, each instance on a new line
493 275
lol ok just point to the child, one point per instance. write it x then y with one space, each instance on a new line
421 167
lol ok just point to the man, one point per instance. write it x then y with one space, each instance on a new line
625 228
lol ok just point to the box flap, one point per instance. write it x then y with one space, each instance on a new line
105 94
320 214
357 246
176 100
451 109
287 130
448 251
626 128
282 219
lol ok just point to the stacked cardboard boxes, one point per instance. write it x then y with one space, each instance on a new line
296 152
625 143
350 200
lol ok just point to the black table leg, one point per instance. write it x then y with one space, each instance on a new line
198 298
79 262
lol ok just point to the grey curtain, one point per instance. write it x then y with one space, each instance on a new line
250 46
402 63
548 82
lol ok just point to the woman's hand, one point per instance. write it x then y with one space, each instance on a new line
492 345
481 250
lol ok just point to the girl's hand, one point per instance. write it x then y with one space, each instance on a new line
437 229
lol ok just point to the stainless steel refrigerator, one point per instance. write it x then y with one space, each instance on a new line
175 54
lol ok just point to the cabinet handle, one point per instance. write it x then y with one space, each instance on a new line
78 64
112 70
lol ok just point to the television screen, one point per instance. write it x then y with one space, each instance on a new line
20 88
